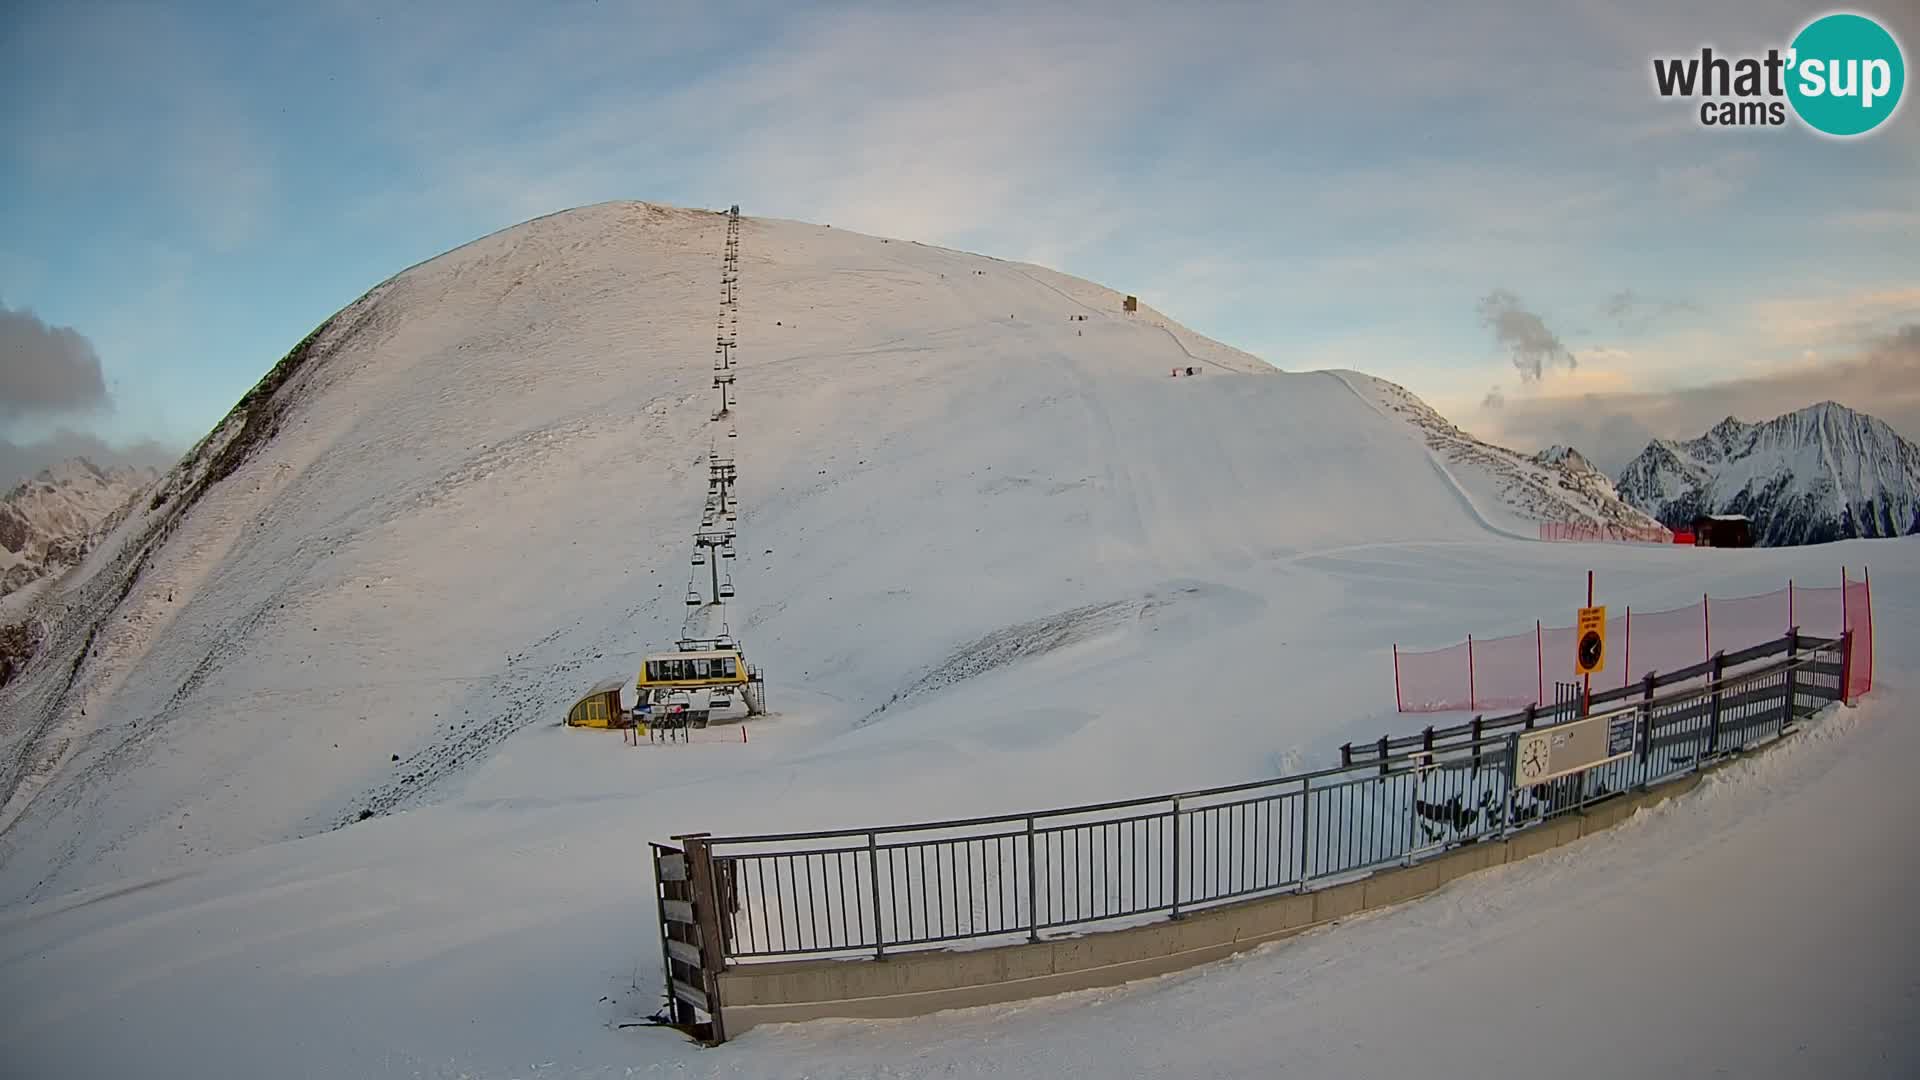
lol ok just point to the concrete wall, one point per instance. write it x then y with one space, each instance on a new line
914 983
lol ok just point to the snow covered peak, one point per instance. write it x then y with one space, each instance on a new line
471 493
48 523
1510 490
74 471
1565 456
1824 472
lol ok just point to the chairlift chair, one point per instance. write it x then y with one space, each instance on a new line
726 589
699 557
693 598
726 553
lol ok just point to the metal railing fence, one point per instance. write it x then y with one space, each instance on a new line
993 880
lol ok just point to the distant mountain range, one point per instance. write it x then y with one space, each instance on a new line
1822 473
48 523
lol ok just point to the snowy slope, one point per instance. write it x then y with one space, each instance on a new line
1511 491
47 523
466 497
504 933
991 557
1823 473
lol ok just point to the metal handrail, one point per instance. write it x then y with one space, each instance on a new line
1368 751
876 889
1418 749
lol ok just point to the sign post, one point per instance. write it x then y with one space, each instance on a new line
1590 644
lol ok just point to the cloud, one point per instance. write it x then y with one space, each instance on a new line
1629 310
1524 335
1823 321
19 461
1494 399
46 369
1882 379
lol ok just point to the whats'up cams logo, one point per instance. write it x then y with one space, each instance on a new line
1843 75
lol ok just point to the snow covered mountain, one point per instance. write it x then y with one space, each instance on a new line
1555 485
938 449
471 492
48 523
969 493
1822 473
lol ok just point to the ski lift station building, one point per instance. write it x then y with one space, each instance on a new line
600 707
689 669
1723 530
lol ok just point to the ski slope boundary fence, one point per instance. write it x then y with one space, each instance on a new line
728 905
1520 669
1590 533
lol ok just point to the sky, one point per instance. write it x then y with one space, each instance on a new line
1483 201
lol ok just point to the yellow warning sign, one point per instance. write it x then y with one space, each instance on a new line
1590 641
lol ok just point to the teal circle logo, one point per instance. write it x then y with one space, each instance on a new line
1845 74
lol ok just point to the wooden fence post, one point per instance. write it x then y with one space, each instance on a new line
706 914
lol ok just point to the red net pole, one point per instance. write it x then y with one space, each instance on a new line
1706 624
1626 664
1867 578
1472 693
1789 604
1539 667
1397 705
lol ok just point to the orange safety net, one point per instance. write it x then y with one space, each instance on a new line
1520 669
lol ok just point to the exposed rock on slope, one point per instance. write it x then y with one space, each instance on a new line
49 523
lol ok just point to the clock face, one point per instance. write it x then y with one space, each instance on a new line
1533 760
1590 648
